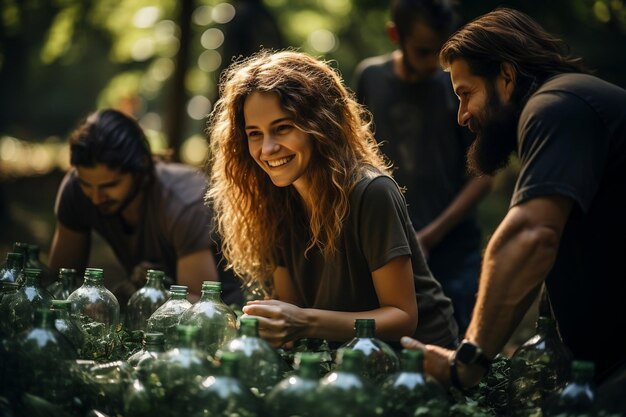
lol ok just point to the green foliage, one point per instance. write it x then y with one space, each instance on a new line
105 344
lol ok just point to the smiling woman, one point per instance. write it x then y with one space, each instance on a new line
306 207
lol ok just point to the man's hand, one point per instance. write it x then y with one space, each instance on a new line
437 361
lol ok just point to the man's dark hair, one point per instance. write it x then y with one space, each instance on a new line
509 36
439 15
110 137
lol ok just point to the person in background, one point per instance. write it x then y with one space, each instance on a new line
414 112
565 226
305 207
151 213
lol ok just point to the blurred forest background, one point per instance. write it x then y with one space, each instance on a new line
160 60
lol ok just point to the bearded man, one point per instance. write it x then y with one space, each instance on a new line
566 225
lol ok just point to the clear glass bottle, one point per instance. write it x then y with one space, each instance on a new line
380 359
175 377
21 247
154 347
539 368
10 271
146 300
345 392
255 354
43 360
109 382
17 309
93 305
167 316
65 285
578 397
34 261
296 394
216 322
409 388
66 324
224 395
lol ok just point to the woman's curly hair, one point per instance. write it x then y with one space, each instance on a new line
251 212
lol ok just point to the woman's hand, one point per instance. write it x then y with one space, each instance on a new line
279 322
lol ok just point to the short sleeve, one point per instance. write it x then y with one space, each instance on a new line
71 207
383 222
192 229
563 149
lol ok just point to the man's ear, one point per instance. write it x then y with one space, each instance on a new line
392 32
507 80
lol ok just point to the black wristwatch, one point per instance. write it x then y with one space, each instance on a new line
469 354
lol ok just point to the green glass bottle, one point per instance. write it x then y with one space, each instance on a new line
17 309
216 322
255 354
34 261
10 271
296 394
65 285
94 306
578 397
109 382
345 392
154 347
22 248
137 400
410 388
167 316
380 359
173 380
146 300
539 368
44 358
66 324
224 395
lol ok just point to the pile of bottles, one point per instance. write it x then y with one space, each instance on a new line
67 351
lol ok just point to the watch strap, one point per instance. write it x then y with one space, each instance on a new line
454 376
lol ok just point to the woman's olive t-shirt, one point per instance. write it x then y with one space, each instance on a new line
376 230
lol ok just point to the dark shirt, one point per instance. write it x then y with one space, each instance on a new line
572 142
376 230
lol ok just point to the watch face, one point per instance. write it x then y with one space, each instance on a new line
467 353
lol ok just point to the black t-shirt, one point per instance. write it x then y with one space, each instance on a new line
573 143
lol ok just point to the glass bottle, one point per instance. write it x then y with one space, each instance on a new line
10 271
255 354
65 285
295 395
380 359
166 317
409 388
44 357
216 322
154 346
345 392
93 305
65 324
578 396
109 381
33 261
146 300
224 395
539 368
17 309
174 378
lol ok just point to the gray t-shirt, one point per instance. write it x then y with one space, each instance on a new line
417 127
175 221
376 230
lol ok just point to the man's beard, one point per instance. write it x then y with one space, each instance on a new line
496 136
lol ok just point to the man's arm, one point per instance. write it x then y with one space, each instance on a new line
194 268
473 192
69 249
518 258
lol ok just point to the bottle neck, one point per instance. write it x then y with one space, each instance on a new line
249 330
210 295
155 282
93 281
308 370
178 295
364 331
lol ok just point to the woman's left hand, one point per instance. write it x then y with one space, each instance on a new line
279 322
